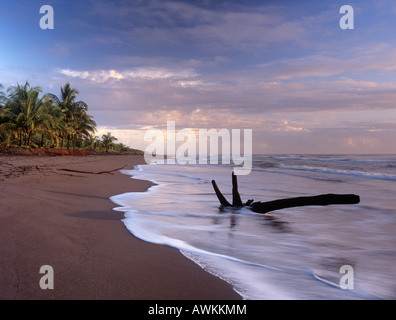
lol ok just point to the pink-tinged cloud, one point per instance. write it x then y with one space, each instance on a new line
323 66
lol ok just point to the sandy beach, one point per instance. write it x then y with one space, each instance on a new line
65 220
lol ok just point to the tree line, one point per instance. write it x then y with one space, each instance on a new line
29 118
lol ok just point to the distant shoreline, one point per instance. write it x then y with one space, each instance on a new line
19 151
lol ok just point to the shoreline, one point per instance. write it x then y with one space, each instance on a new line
66 220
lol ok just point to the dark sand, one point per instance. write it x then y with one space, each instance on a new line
65 220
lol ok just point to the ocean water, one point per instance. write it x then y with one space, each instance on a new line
293 253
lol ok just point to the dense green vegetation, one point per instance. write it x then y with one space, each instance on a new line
31 119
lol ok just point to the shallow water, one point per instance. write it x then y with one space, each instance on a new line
293 253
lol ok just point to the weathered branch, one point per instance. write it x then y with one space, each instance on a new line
79 171
264 207
236 198
320 200
220 196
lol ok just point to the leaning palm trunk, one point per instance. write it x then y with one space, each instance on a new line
74 142
42 140
20 137
56 141
25 138
68 142
29 137
63 141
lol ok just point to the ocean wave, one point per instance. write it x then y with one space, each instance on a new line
143 233
177 175
390 159
300 175
224 242
266 164
367 175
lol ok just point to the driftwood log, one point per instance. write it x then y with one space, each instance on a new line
264 207
79 171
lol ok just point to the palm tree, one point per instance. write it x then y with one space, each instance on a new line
107 140
77 120
26 113
120 147
25 110
50 123
5 136
82 125
8 123
91 142
2 96
2 100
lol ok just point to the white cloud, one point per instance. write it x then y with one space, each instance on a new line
148 73
103 75
100 76
159 74
75 73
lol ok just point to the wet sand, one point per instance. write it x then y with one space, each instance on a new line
65 220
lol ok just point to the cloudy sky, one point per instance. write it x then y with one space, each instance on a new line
284 69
